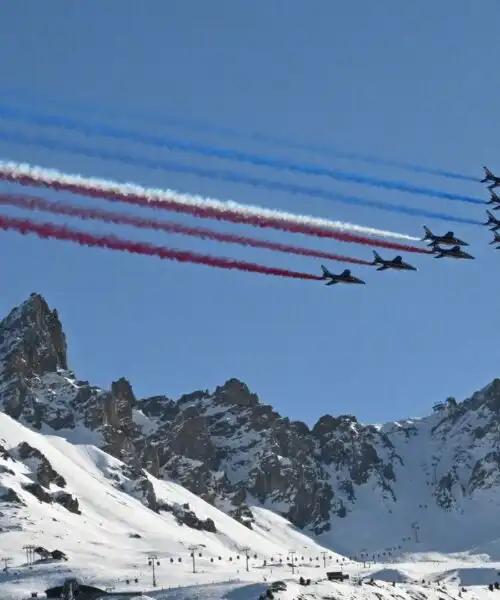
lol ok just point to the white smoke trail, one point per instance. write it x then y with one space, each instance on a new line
23 172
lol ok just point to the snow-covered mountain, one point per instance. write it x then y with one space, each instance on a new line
77 500
408 486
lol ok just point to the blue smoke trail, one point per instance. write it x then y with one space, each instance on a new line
195 124
224 153
223 175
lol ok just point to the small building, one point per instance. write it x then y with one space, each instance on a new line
336 576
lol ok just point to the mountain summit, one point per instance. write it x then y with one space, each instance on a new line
432 482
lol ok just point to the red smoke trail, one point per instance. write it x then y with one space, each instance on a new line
59 232
205 212
36 203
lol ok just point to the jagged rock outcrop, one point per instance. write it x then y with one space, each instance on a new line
232 450
185 516
69 502
38 491
40 349
65 499
44 472
45 554
4 453
9 495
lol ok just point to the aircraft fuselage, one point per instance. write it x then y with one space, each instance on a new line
454 255
450 242
397 267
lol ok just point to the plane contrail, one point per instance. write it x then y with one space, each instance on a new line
204 126
207 208
36 203
61 232
225 175
280 164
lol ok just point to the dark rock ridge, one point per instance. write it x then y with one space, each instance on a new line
10 496
185 516
63 498
45 554
44 472
233 451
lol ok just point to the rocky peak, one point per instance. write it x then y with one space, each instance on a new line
32 345
235 393
490 396
160 407
193 398
118 405
327 424
32 339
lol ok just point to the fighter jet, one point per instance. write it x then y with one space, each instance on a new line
448 239
488 176
495 199
396 263
492 221
455 252
344 277
496 239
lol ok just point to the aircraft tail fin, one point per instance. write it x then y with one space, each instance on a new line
428 233
378 259
488 175
494 199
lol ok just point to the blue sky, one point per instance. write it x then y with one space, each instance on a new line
411 81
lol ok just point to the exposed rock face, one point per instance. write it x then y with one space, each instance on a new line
232 450
68 501
4 453
63 498
45 554
39 492
40 349
45 474
185 516
10 496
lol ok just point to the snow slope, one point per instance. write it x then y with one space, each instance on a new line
98 542
108 544
443 494
380 590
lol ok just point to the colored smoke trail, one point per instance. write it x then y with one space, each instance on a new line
40 204
224 153
195 206
223 175
60 232
195 124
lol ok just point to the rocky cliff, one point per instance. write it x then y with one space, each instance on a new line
340 478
